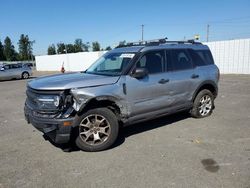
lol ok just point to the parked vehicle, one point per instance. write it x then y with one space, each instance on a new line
125 86
14 71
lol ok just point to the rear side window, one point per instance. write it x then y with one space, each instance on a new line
181 60
206 57
15 66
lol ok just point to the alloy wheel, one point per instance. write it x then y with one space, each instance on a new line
94 129
205 105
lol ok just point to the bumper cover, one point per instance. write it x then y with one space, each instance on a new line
52 127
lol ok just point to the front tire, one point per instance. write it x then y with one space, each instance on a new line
97 129
203 104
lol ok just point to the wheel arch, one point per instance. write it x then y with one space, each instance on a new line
209 85
106 102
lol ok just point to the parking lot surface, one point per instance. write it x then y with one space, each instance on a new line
174 151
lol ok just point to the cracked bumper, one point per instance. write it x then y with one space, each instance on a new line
52 127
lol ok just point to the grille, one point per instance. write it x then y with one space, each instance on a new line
31 101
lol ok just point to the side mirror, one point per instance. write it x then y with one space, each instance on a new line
139 73
2 69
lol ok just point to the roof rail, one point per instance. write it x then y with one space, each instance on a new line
156 42
153 42
191 41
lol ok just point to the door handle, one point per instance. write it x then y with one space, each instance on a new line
163 81
194 76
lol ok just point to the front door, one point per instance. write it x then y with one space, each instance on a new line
148 94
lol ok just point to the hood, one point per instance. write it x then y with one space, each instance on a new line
71 80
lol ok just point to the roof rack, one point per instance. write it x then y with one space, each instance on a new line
157 42
191 41
153 42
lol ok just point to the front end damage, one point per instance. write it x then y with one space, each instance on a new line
57 121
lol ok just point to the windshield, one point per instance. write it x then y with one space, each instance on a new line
111 64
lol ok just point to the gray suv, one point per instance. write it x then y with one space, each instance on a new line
130 84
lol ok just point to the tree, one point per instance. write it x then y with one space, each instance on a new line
80 46
70 48
30 49
61 48
9 50
96 46
51 50
25 47
2 58
108 48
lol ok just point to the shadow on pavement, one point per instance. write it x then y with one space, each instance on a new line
131 130
11 80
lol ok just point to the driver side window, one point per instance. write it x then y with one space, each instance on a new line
153 61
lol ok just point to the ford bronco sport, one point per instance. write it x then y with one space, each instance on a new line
126 85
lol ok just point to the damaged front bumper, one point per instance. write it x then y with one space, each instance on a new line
58 129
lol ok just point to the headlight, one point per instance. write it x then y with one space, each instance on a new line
48 102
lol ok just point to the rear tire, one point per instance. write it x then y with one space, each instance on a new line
97 130
25 75
203 104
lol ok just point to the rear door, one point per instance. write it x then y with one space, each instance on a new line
16 70
181 78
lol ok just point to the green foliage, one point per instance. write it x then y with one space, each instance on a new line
61 48
2 58
80 46
108 48
70 48
9 50
51 50
96 46
25 47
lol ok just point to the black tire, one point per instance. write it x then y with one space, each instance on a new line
196 111
25 75
107 141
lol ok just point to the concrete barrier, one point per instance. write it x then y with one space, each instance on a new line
72 61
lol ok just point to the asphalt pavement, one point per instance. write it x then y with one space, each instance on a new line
174 151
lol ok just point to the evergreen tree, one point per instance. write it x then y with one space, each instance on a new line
96 46
25 47
61 48
9 50
51 50
70 48
80 46
2 58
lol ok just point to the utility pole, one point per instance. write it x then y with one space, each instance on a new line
208 32
142 32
